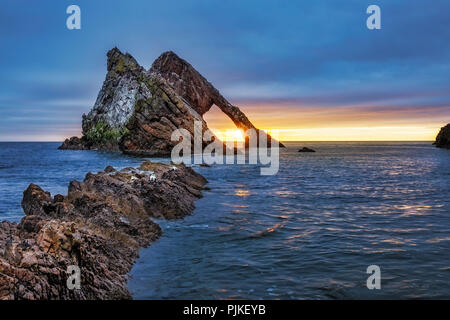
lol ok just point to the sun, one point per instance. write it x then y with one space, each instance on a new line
229 134
238 135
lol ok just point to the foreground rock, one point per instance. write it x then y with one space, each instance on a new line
443 137
137 110
306 149
99 226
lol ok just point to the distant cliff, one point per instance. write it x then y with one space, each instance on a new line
137 110
443 137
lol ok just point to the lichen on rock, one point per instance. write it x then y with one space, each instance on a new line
102 133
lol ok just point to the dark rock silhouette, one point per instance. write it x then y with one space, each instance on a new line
205 165
136 110
443 137
99 226
74 143
306 149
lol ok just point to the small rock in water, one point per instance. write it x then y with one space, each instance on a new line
306 149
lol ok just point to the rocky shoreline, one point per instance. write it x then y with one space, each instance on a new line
100 226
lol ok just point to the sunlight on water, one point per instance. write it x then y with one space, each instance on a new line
241 193
311 231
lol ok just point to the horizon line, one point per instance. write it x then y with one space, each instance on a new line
61 141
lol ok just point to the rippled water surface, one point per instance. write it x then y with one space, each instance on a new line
309 232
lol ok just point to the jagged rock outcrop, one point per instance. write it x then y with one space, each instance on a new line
195 89
136 110
74 143
99 226
443 137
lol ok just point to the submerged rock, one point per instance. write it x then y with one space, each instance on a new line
99 226
136 110
306 149
443 137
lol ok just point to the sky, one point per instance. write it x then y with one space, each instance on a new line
311 69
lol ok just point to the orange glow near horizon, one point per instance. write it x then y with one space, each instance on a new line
229 134
334 124
292 121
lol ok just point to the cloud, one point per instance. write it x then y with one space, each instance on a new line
313 53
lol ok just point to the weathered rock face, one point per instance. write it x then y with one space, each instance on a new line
116 100
443 137
196 90
136 110
158 112
99 226
192 86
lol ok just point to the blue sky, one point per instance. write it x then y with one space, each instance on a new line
268 56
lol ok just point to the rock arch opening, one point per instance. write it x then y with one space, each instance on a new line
222 126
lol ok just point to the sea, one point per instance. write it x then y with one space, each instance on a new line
309 232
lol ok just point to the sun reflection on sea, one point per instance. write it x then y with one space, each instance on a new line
241 192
